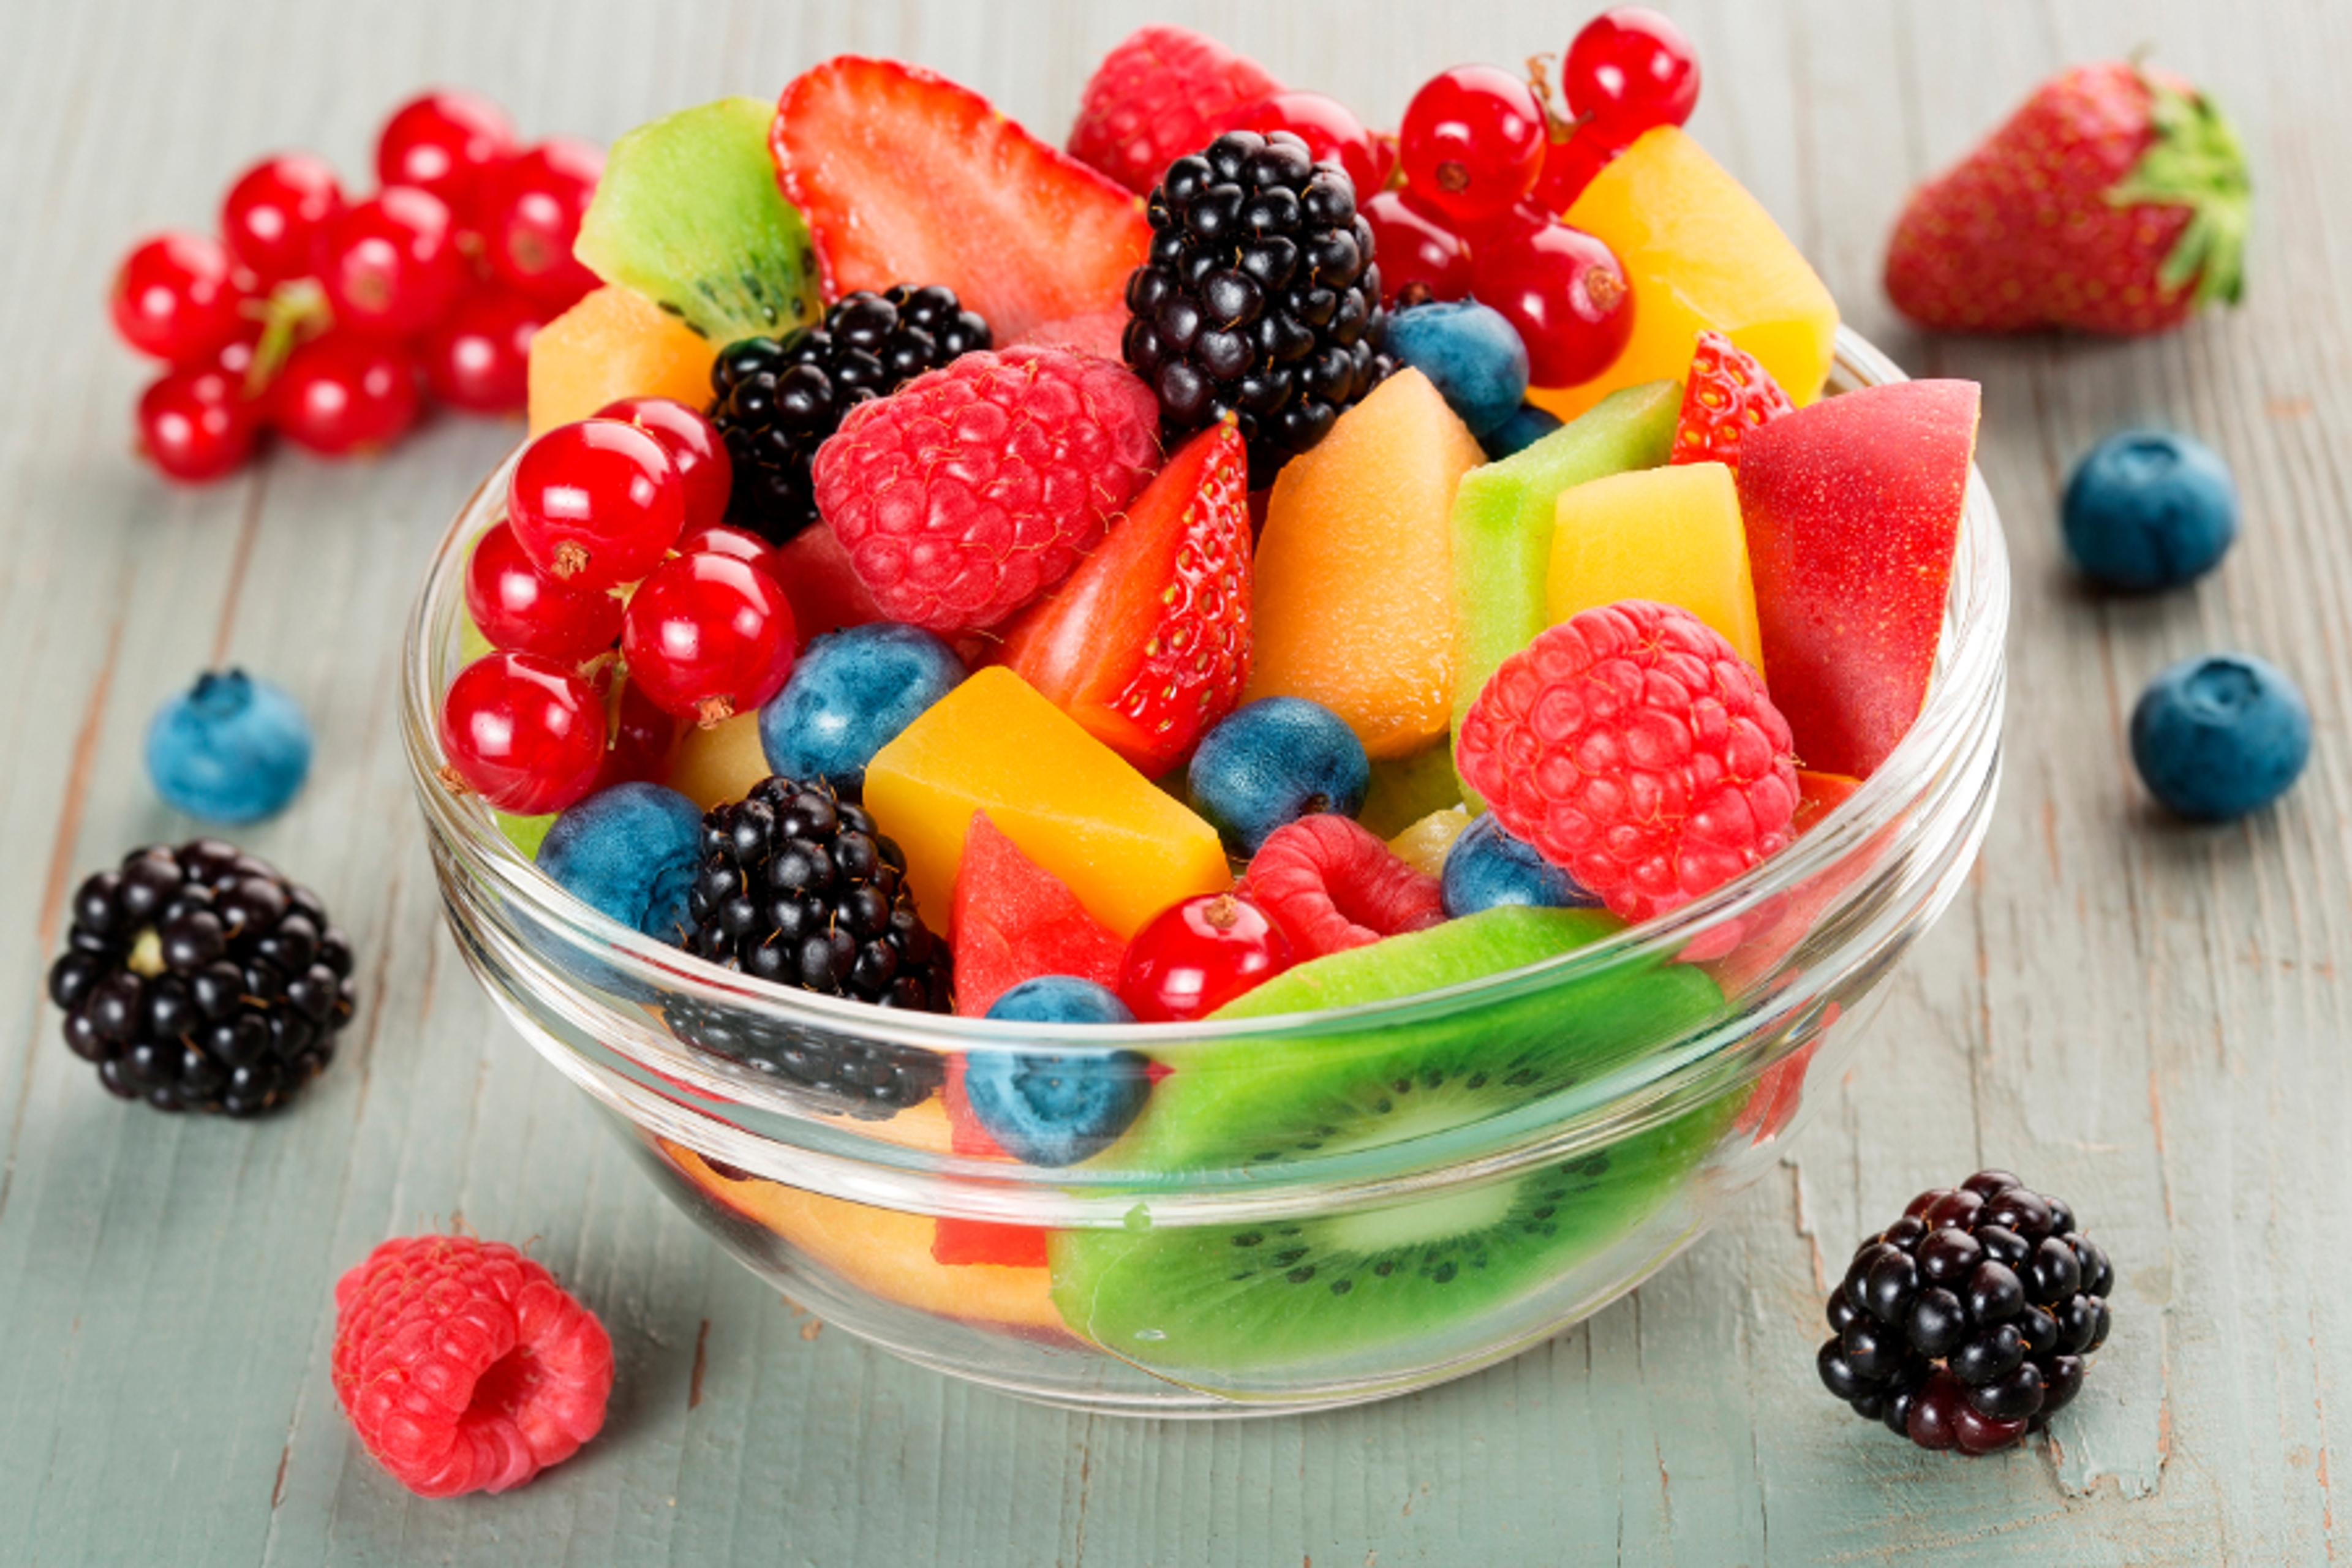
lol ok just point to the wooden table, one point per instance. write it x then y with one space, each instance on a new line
2147 1017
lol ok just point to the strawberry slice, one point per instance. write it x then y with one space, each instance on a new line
1726 395
1148 643
906 177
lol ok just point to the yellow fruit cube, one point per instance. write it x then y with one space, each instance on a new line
1699 252
614 343
1126 848
1670 534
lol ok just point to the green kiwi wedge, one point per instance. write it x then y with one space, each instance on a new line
1205 1303
688 213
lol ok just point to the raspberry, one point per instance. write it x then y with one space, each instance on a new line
974 487
1162 92
1637 752
1331 885
464 1366
1727 395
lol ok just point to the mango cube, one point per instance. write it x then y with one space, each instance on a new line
1670 534
1124 848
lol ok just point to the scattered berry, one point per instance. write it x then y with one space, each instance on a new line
1628 70
1421 257
478 357
199 979
173 298
463 1366
1271 763
532 206
1470 354
523 733
1162 91
232 749
1636 752
1472 142
2219 735
391 264
1192 959
272 216
596 504
1726 395
1332 133
972 489
849 696
1967 1321
346 394
1485 867
2150 509
196 425
1056 1107
1567 294
708 636
1332 884
1527 425
629 852
445 142
695 451
517 606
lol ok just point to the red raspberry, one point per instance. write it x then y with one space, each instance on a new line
1726 395
1331 885
1162 92
1636 752
976 487
464 1366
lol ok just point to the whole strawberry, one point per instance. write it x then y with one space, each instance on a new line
2115 201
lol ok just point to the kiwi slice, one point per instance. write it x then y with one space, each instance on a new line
688 213
1202 1303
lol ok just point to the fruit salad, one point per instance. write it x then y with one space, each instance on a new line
1233 569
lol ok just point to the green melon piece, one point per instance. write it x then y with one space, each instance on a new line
1502 526
688 214
525 833
1406 789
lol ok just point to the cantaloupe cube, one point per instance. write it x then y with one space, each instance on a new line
1699 252
614 343
1124 848
1670 534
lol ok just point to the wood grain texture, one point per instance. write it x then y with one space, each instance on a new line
2147 1018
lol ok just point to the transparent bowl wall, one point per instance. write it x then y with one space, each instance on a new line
1203 1282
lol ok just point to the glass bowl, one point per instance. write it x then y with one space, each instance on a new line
1313 1209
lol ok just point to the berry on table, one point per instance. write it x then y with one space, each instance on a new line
232 748
391 264
2219 735
1331 885
443 142
199 979
1422 258
1486 867
530 207
1056 1107
708 636
1161 92
1472 142
630 852
2150 509
695 450
1726 393
523 733
478 357
1193 958
196 425
463 1366
1272 762
1567 294
517 606
596 504
346 394
1629 69
849 696
1471 353
272 216
173 298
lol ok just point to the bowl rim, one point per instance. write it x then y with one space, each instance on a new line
1968 676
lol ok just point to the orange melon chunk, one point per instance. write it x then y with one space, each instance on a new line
614 343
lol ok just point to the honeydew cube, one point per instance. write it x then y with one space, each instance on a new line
1670 534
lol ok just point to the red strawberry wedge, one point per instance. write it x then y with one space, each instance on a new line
1162 92
906 177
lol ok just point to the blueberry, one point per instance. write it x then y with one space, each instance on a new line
2222 735
1275 761
1056 1107
1527 425
2150 509
1471 352
849 696
232 749
1487 867
630 851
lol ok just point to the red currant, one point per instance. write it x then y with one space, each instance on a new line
272 216
1569 166
726 539
1628 70
693 444
442 143
1567 294
530 208
1421 257
173 298
392 264
346 392
645 739
1473 142
516 606
478 357
1191 959
1332 133
523 733
708 636
195 424
596 504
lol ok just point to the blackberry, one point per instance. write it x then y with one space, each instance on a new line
797 886
1260 299
199 979
1968 1320
778 400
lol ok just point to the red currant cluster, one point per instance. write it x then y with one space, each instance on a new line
613 542
315 315
1488 163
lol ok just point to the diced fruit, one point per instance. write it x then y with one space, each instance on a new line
849 694
1672 535
1726 393
907 177
720 764
1147 643
688 214
1853 511
1486 867
1818 794
1699 252
993 745
615 343
1198 955
1425 845
1355 584
1056 1107
1162 91
1331 886
1273 761
1503 517
960 1241
1015 921
1406 789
